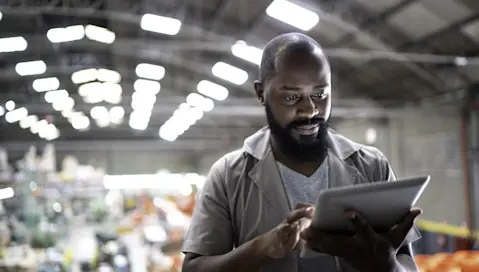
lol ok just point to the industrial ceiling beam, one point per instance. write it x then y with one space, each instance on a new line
121 145
151 52
361 28
167 109
130 16
118 63
227 132
81 9
207 122
163 57
453 27
218 15
371 21
230 101
130 48
243 111
335 18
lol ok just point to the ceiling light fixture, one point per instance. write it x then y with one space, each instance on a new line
66 34
99 34
10 105
28 121
247 52
212 90
292 14
148 86
139 120
13 44
57 95
46 84
107 75
160 24
29 68
84 76
79 121
150 71
16 115
230 73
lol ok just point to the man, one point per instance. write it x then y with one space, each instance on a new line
254 209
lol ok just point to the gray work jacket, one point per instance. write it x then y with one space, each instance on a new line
243 196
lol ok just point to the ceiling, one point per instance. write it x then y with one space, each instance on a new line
383 54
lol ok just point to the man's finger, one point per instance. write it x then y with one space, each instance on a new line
303 205
304 224
298 214
286 231
309 233
294 236
400 232
360 225
301 243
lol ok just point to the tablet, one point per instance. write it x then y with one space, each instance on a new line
382 204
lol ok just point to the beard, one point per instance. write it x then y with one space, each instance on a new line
309 147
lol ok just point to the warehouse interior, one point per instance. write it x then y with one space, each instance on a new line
113 111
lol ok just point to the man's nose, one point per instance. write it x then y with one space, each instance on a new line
307 109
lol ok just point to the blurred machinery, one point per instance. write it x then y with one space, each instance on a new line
54 261
113 253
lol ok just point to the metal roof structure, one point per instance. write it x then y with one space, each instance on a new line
384 54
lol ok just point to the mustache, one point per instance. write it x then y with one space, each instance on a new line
306 122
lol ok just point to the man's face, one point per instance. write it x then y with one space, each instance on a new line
298 103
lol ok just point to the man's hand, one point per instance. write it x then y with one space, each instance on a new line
285 237
366 250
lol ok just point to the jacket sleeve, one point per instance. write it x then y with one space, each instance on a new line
385 170
405 253
387 173
210 231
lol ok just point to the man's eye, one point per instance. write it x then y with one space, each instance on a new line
319 95
291 97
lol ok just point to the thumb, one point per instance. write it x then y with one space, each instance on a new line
309 209
400 232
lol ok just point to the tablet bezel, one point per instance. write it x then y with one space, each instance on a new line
327 198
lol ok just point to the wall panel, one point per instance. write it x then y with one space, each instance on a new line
419 142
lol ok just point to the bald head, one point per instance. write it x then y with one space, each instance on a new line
286 44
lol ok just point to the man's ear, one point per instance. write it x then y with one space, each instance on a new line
259 90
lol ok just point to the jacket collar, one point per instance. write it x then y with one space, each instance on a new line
266 176
258 144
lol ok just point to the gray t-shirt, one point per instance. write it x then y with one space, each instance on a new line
303 189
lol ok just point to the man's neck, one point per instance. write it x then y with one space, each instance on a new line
306 168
